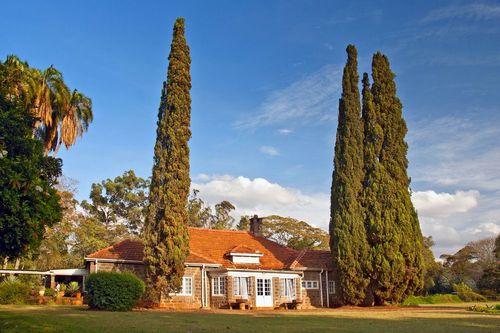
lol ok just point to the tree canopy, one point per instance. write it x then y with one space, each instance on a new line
166 235
28 201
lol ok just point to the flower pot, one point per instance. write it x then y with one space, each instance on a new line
78 295
41 292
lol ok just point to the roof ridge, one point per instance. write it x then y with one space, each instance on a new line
221 230
109 247
299 256
210 261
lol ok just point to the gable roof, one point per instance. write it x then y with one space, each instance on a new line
208 246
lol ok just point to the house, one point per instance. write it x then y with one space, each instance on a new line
227 269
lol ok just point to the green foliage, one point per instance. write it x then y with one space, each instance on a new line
28 201
72 288
432 299
60 114
49 292
166 238
486 308
293 233
393 230
114 291
120 202
466 293
13 291
348 236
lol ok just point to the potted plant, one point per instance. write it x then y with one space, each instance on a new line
74 289
41 291
62 290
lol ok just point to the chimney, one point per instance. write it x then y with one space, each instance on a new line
256 226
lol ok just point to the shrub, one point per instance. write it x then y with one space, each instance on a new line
73 288
49 292
432 299
486 308
466 293
114 291
13 291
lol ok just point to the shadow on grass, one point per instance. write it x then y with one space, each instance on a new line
70 319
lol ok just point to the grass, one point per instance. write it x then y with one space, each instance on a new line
17 318
432 299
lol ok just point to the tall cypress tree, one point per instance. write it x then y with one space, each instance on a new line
347 234
392 224
166 236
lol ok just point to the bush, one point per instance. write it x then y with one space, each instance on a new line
13 291
466 293
49 292
114 291
432 299
486 308
73 288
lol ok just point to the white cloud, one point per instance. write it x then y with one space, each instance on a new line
311 97
473 11
451 218
268 150
284 131
430 203
260 196
452 151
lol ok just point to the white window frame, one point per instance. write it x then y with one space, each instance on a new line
284 290
237 285
185 284
331 287
219 285
310 284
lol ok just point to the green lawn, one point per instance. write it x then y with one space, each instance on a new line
79 319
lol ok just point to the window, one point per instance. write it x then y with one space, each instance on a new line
218 285
287 288
331 287
310 284
241 286
187 286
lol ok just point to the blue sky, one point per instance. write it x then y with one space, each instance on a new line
266 78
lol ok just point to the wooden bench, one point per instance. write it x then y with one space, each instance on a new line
240 303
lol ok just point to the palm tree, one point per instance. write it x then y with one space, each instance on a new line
60 115
75 120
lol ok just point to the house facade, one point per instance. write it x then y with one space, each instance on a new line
235 269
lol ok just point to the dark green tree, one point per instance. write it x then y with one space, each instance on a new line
120 202
28 200
347 233
392 224
166 231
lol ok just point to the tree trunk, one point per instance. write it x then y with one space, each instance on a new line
18 261
5 262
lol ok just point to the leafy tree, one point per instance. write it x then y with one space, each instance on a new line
222 218
392 224
199 213
469 263
59 114
348 236
28 201
244 223
293 233
166 234
433 269
120 202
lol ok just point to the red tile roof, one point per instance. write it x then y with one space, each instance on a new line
210 246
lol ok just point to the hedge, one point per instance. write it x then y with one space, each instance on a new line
114 291
13 291
432 299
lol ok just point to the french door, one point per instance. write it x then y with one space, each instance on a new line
264 292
